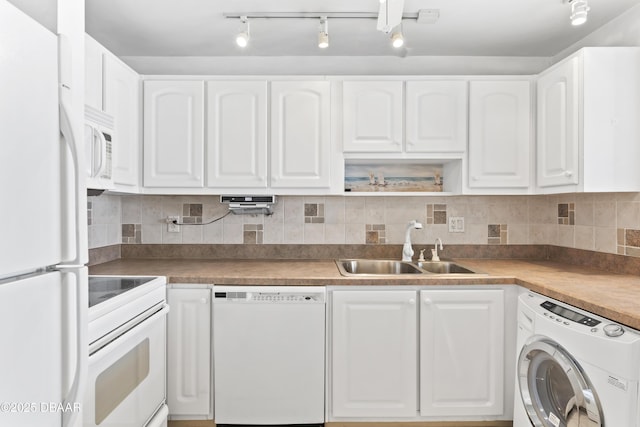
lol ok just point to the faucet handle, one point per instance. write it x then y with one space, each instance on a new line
421 259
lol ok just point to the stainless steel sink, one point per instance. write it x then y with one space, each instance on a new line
443 267
375 267
383 267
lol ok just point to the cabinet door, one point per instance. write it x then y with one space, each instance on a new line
461 352
300 134
189 352
499 134
173 133
93 53
436 119
558 137
237 134
372 116
121 100
374 364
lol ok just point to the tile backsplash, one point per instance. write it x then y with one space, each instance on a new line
607 222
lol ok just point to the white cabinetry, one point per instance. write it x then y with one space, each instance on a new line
461 352
93 53
374 354
122 101
588 128
237 134
300 134
372 116
173 133
436 116
499 134
189 359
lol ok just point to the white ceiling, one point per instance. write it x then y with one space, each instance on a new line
150 33
171 28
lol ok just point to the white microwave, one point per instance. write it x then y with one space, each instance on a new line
98 146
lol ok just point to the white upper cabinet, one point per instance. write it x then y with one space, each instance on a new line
588 127
499 134
436 116
93 53
173 133
374 354
462 348
372 116
300 134
121 100
237 134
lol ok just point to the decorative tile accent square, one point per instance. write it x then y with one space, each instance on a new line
192 213
314 213
497 234
253 234
375 234
628 241
566 213
436 214
131 233
89 213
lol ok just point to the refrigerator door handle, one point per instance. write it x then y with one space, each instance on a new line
75 395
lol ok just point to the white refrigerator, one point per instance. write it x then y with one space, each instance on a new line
43 277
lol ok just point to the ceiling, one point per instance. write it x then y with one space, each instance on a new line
465 27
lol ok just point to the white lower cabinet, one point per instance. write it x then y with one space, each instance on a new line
434 354
374 366
189 357
461 352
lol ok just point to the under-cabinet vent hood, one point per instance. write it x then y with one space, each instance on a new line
250 205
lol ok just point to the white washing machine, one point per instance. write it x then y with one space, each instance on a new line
574 369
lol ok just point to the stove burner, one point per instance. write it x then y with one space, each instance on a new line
102 288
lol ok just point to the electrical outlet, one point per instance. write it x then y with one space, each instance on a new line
171 227
456 224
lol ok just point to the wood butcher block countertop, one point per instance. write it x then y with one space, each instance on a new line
614 296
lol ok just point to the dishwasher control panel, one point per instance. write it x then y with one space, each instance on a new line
266 295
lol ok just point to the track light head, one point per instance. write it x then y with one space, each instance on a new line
579 11
242 38
323 34
397 39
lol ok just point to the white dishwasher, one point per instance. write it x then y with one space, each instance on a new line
269 354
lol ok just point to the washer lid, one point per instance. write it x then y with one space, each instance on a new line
555 390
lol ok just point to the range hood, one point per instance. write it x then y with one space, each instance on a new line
249 205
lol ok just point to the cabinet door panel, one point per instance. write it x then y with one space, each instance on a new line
372 116
461 352
436 116
558 108
300 134
374 354
122 102
237 134
499 134
188 352
173 133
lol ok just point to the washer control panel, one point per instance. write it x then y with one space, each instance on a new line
569 314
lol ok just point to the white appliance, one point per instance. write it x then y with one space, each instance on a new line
43 280
98 148
574 368
269 346
127 337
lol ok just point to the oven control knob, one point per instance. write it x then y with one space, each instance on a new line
612 330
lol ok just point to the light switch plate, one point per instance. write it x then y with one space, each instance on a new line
171 227
456 224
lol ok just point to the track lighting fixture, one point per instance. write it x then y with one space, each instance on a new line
579 11
397 39
323 34
242 39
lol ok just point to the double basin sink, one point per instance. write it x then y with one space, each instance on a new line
381 267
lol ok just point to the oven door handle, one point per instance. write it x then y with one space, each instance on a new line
153 313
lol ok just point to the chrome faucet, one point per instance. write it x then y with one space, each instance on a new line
434 251
407 250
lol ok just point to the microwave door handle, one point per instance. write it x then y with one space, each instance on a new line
102 145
